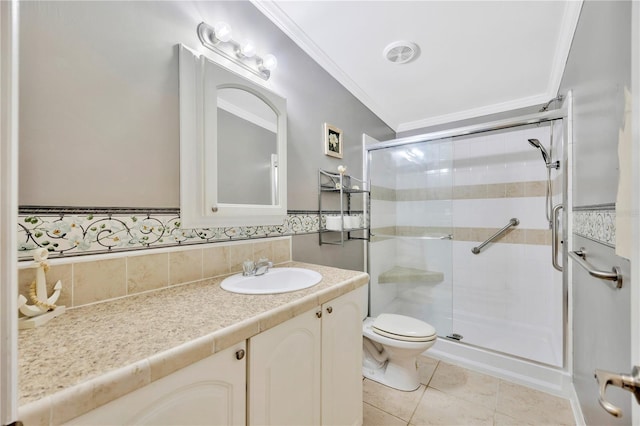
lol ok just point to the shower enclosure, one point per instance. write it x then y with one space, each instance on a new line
436 197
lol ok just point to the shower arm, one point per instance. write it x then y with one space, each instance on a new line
512 222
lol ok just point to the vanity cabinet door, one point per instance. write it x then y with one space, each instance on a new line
342 360
209 392
284 373
308 370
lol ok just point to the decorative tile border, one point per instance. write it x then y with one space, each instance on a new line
513 236
80 231
597 224
462 192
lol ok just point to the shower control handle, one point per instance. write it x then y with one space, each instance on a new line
628 382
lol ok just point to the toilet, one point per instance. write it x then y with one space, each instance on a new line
391 344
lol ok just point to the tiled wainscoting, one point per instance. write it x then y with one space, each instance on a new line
97 278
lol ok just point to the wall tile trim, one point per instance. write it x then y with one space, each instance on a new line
76 231
597 223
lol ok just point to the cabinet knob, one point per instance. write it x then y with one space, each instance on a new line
319 314
240 354
329 309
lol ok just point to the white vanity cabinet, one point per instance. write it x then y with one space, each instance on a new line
308 370
304 371
209 392
342 359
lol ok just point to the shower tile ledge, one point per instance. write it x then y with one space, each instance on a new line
94 354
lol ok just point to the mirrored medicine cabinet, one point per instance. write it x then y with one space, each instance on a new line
233 147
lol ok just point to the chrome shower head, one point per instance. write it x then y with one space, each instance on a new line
536 144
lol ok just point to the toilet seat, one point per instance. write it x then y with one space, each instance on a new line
401 327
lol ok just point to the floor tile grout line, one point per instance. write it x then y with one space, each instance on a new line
424 391
386 412
392 389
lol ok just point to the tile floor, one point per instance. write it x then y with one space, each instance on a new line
452 395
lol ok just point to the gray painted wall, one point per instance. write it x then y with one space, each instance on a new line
246 150
99 105
597 71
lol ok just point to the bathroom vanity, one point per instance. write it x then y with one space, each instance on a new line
197 354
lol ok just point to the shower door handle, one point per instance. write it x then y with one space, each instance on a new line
554 236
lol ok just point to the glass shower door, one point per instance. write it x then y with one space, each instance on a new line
410 250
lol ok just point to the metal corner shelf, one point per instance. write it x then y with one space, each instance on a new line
342 185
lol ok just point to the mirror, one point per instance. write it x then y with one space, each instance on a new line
232 148
247 135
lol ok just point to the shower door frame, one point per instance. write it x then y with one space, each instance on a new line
564 114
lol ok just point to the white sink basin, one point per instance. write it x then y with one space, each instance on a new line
277 280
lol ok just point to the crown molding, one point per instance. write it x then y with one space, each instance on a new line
569 22
568 26
475 112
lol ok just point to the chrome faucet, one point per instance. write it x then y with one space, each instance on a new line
249 268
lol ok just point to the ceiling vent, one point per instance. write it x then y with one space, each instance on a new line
401 52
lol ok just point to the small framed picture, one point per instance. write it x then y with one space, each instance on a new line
332 141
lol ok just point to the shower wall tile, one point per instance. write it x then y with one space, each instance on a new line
383 193
496 212
504 287
515 189
385 213
496 190
535 189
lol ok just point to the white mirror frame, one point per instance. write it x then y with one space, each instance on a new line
200 79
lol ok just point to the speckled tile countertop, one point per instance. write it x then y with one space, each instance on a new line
139 339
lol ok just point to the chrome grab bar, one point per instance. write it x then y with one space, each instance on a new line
580 256
554 237
512 222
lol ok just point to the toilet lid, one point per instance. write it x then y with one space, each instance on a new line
405 328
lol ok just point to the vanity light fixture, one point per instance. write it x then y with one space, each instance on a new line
219 39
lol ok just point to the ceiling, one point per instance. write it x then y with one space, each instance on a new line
476 57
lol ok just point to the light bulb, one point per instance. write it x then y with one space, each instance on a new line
248 50
222 31
269 62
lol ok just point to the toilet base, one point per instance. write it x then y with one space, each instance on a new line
401 377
